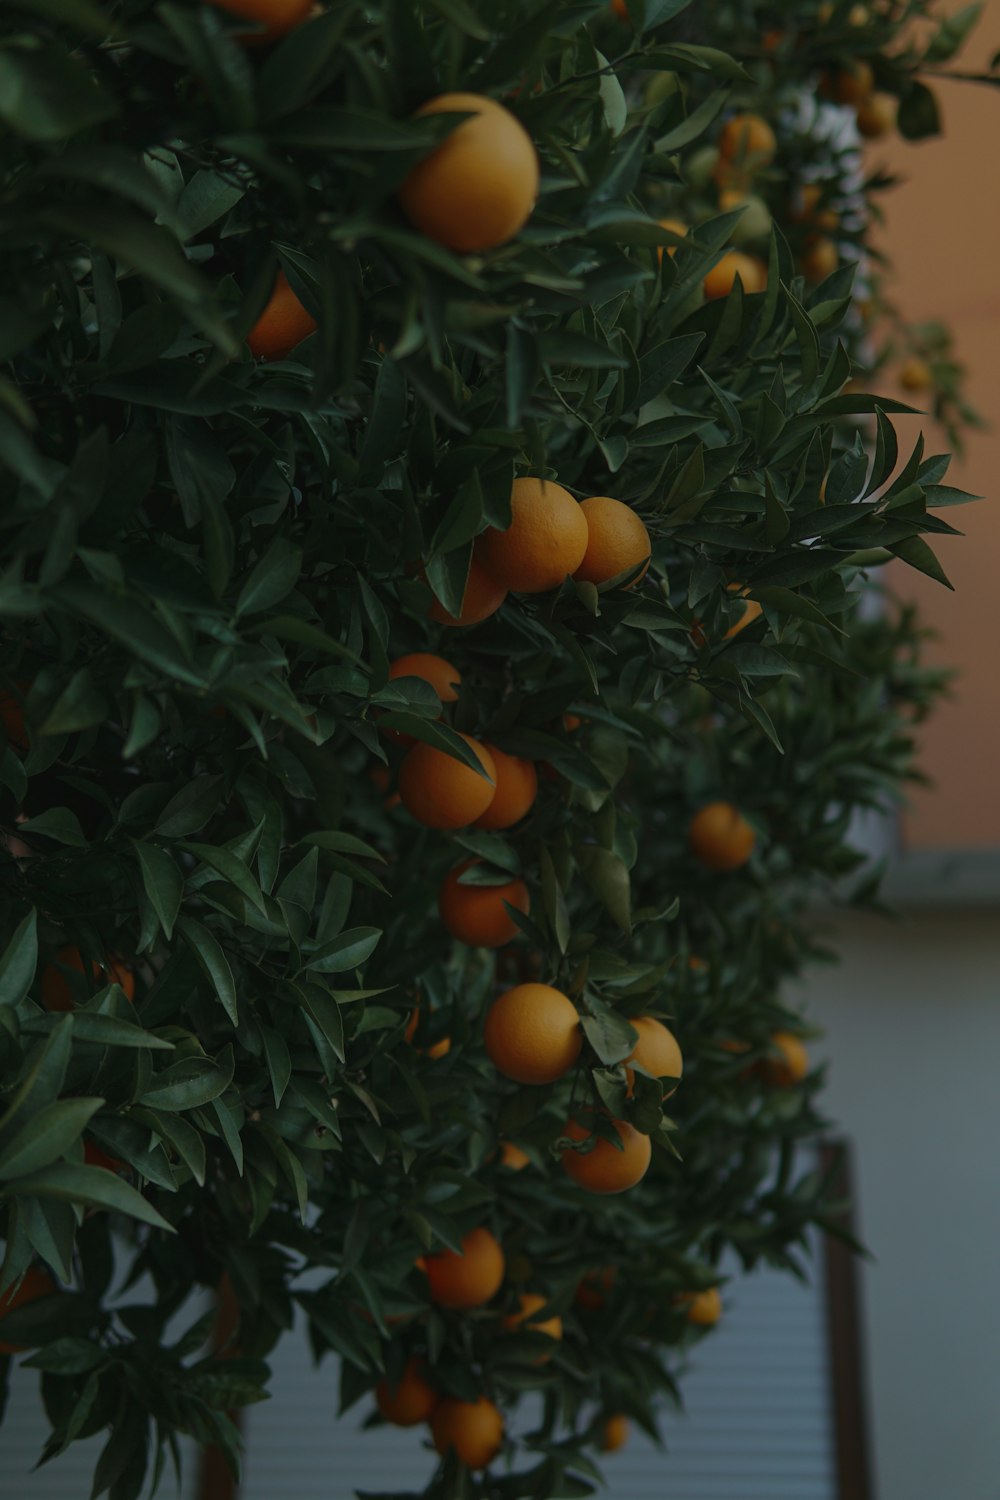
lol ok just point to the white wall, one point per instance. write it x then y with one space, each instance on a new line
912 1020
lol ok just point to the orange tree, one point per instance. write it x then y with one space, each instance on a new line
388 836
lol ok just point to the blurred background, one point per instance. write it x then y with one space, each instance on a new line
878 1379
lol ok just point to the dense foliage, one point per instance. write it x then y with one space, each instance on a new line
216 920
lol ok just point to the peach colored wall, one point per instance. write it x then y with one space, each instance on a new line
942 234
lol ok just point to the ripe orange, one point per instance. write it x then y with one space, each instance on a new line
483 597
12 716
516 790
94 1156
532 1034
282 325
276 16
546 540
477 189
821 259
473 1429
468 1279
806 208
916 374
411 1401
34 1284
752 610
748 138
441 792
792 1063
720 837
513 1157
438 1049
442 676
620 9
614 1433
704 1308
877 116
617 542
475 914
850 85
381 777
722 277
530 1303
55 987
754 222
656 1050
594 1288
678 228
605 1169
732 177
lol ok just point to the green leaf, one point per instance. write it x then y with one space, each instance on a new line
785 601
915 552
696 123
435 733
190 809
211 956
176 1132
918 115
47 95
92 1186
608 878
347 951
757 661
609 1033
341 843
686 56
206 198
952 33
279 1062
60 824
231 868
46 1136
77 15
102 1031
45 1076
273 578
661 366
162 881
132 625
79 706
152 252
20 958
325 1012
190 1083
301 63
68 1356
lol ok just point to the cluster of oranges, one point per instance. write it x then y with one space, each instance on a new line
463 1280
551 537
468 1279
471 193
854 85
746 145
